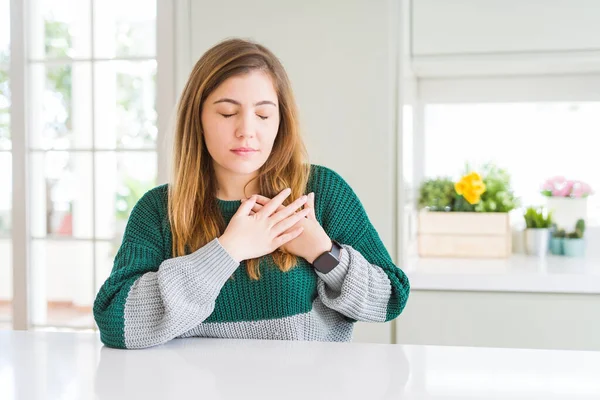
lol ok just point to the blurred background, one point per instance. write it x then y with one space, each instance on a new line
403 98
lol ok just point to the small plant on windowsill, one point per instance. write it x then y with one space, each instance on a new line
559 186
556 243
574 242
538 223
477 205
437 194
568 200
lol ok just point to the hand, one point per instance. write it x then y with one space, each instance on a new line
254 235
313 241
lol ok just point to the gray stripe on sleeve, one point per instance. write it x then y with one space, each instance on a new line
364 293
180 295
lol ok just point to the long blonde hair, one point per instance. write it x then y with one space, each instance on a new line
194 214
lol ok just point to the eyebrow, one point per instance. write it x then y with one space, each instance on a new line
237 103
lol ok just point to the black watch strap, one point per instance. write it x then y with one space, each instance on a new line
328 260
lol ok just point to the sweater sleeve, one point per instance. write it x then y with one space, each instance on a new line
366 285
147 299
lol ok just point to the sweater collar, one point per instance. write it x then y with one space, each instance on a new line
228 207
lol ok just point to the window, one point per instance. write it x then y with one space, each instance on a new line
533 141
91 116
5 169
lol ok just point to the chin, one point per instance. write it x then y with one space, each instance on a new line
243 168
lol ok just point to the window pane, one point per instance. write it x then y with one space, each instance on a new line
6 294
5 143
5 241
4 31
533 141
5 194
124 28
62 286
105 255
61 194
61 96
124 178
59 29
126 101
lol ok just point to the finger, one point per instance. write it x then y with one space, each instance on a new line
257 207
287 237
311 204
289 210
246 206
260 199
290 221
274 203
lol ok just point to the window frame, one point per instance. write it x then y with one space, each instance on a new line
22 151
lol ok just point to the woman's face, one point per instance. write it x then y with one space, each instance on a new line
240 120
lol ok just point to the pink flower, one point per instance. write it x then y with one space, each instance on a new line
559 186
561 192
581 189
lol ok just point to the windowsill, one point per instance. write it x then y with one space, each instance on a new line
519 273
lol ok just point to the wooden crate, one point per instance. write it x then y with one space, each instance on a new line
464 234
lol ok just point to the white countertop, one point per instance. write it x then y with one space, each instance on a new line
43 365
519 273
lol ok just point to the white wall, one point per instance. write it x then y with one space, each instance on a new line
488 319
483 27
505 37
342 58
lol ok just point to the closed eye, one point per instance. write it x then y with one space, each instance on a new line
262 117
227 115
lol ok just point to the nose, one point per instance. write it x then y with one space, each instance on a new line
245 127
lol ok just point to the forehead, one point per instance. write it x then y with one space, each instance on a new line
253 86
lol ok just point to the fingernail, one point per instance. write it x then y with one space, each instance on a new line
312 195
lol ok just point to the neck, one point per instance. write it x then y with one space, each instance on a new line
230 186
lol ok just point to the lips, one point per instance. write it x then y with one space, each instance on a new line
244 151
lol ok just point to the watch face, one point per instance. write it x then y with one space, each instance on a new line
326 262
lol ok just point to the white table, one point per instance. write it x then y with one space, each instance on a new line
43 365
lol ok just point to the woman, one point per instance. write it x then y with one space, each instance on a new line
248 241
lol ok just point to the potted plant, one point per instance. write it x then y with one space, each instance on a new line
498 196
567 199
537 234
476 221
556 242
437 194
574 243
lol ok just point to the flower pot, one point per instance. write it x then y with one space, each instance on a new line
566 210
464 235
537 241
556 246
574 247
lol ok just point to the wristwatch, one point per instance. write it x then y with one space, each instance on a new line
328 260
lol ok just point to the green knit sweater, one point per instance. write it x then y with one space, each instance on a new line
151 297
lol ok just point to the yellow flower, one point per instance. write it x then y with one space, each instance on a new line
471 187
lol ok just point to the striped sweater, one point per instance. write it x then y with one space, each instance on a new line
151 297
